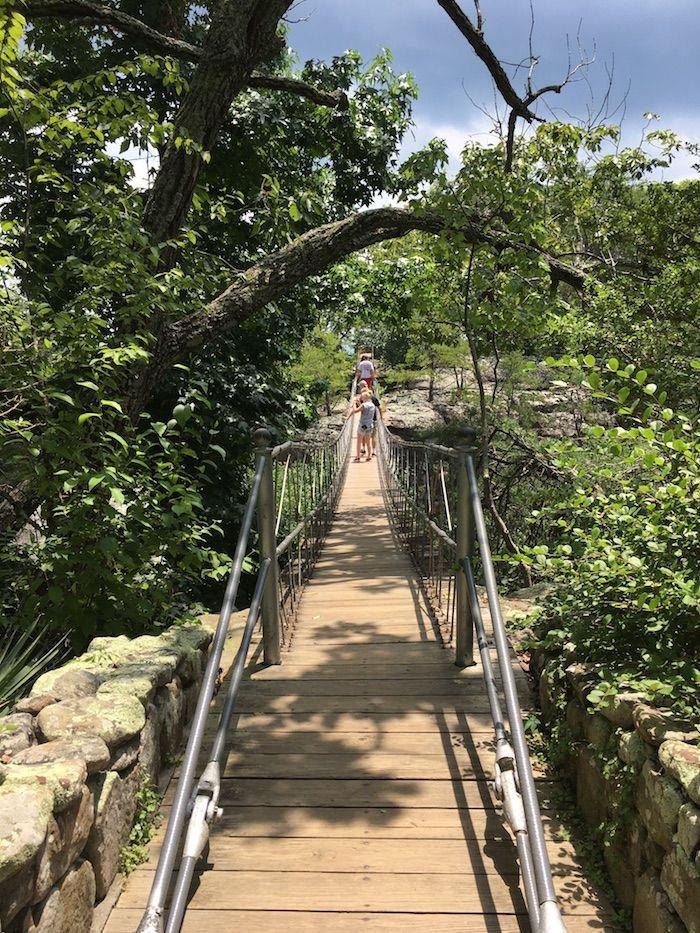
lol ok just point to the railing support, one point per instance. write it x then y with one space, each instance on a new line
272 629
464 624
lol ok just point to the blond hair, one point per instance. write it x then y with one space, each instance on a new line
366 394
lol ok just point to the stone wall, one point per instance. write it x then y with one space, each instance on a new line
635 767
73 756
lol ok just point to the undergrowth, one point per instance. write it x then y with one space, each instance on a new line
148 818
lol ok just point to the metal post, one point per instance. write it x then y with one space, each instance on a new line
464 626
272 631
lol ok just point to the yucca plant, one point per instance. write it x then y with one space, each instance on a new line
23 656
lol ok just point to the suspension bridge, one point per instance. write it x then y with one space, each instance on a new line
364 764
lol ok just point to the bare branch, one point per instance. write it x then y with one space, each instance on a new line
475 38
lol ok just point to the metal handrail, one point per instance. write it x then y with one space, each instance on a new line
199 801
520 802
152 920
514 780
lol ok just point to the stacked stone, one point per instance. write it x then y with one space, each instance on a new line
73 756
654 862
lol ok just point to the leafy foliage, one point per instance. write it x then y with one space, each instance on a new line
627 560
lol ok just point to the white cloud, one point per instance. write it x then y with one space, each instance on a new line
477 128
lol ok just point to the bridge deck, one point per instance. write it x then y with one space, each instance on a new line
356 793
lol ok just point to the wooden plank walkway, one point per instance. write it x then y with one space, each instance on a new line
355 791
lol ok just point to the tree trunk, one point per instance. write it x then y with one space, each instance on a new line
243 33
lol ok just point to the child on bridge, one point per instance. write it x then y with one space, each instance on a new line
368 412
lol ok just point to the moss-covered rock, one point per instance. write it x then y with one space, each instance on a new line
89 748
64 779
113 717
683 762
633 750
659 725
65 839
659 798
688 836
69 906
653 912
115 806
24 818
68 683
681 882
16 734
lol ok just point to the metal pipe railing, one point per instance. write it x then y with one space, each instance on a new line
205 806
537 871
152 920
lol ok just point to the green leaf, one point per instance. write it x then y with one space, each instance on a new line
118 438
87 415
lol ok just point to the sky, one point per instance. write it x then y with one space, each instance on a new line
653 46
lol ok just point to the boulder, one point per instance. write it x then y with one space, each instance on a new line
575 716
70 682
170 702
125 755
65 840
688 836
114 718
683 763
633 750
681 882
652 909
597 730
137 681
592 792
15 893
114 810
659 725
582 679
24 817
91 749
35 703
618 709
658 801
149 744
620 870
63 778
68 907
16 734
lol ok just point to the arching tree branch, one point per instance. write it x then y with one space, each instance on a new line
311 254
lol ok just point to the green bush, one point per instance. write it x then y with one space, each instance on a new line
626 566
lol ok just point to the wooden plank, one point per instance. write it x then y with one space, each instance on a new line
125 920
292 669
360 892
358 721
307 686
398 767
387 856
390 743
369 823
370 792
250 700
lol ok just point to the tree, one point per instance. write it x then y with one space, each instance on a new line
323 366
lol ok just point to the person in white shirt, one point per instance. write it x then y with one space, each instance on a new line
366 369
